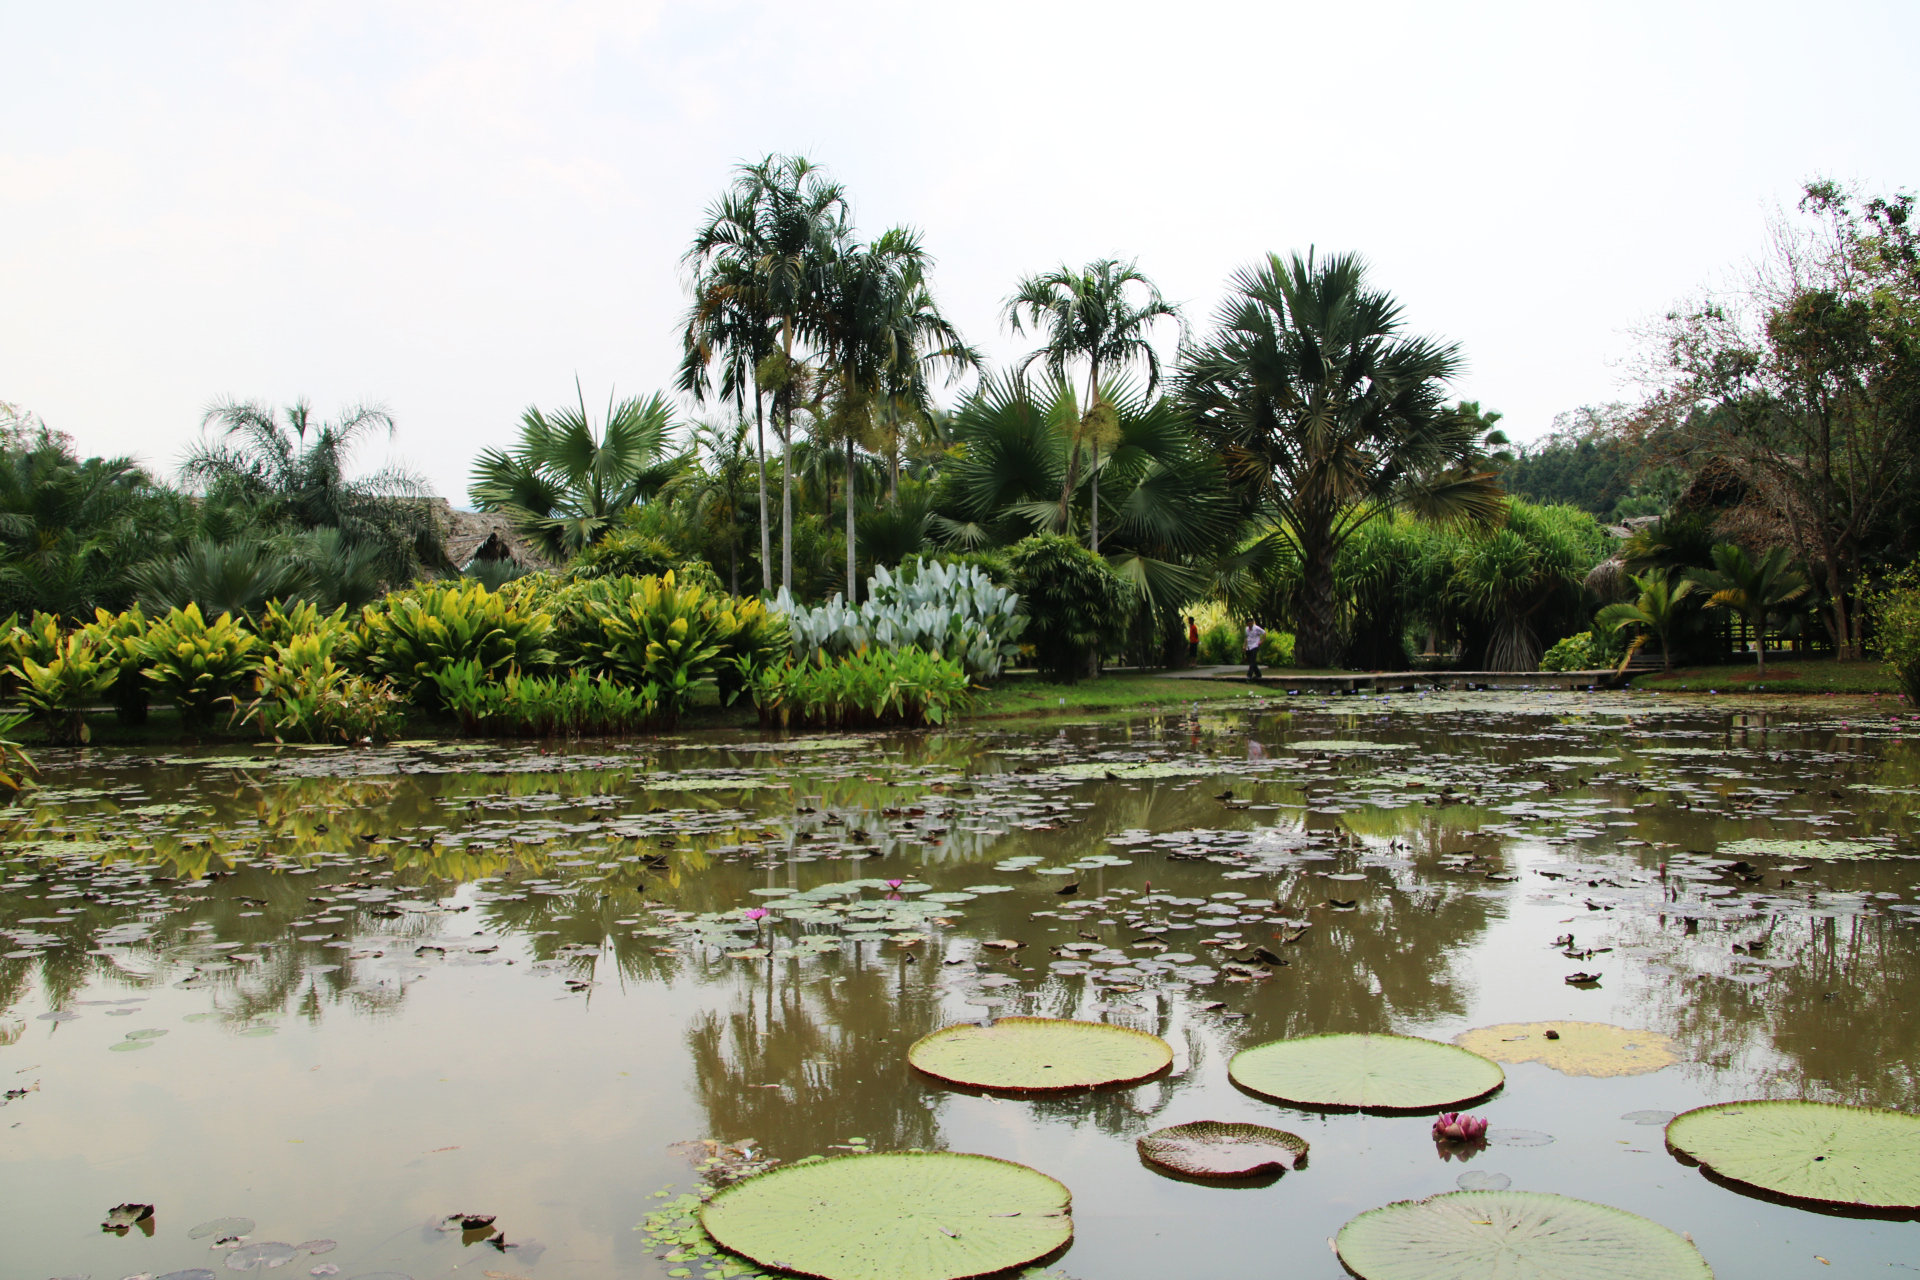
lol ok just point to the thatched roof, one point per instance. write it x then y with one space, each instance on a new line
481 535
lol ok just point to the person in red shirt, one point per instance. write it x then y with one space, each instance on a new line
1193 642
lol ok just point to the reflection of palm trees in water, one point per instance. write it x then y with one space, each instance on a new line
1832 1022
812 1053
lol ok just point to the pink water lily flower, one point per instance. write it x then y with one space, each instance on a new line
1455 1126
756 913
895 884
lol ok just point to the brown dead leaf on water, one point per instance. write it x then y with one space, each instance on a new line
502 1275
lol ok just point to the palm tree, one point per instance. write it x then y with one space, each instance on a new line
292 468
1752 588
565 482
1170 507
880 333
760 264
1087 315
71 530
1657 611
1527 571
1327 416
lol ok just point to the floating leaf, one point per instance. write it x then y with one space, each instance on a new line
221 1227
1030 1054
1221 1149
1482 1180
1648 1117
1369 1072
1577 1049
1857 1156
123 1216
904 1216
1344 745
262 1256
1516 1235
1822 849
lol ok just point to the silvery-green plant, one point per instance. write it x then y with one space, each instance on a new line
955 611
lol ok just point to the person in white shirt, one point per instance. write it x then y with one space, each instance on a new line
1255 634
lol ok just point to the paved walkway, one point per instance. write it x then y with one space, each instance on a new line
1405 681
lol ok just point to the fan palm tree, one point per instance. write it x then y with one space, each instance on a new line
881 333
1171 512
292 467
566 482
760 264
1089 315
1752 588
1328 415
1656 612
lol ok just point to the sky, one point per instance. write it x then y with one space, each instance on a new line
455 208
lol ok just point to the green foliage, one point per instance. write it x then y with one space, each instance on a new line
1583 651
1657 612
565 482
1755 589
119 635
198 664
626 553
866 688
58 692
543 706
952 610
15 763
658 631
1076 605
1225 643
38 638
304 690
413 633
70 530
1895 610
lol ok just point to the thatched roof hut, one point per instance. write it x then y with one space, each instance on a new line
468 536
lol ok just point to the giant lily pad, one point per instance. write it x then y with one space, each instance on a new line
1220 1149
1030 1054
1368 1072
1575 1048
1855 1156
905 1216
1824 850
1516 1235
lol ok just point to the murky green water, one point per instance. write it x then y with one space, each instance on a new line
343 995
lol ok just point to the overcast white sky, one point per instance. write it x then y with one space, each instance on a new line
455 207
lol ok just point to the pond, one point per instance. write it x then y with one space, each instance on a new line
310 1003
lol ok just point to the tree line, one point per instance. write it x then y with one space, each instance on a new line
1301 459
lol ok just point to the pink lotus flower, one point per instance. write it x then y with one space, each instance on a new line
895 884
1455 1126
756 913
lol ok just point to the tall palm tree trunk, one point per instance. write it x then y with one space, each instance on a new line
1317 642
766 523
851 589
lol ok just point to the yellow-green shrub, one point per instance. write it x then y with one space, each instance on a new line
59 691
199 664
413 633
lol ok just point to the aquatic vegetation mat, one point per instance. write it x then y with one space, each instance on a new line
1222 1149
1369 1072
905 1216
1036 1054
1855 1156
1573 1048
1514 1235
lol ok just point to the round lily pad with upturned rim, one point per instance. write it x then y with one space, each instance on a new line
1365 1072
1515 1235
1029 1055
1578 1048
897 1216
1222 1149
1855 1157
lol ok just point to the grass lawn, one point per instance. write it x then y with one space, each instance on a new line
1024 695
1784 675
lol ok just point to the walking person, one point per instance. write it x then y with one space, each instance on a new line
1193 642
1255 634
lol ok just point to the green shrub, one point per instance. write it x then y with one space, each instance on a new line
414 633
868 688
15 763
39 638
1225 642
627 553
1077 607
953 610
304 691
119 636
59 691
198 664
657 631
542 706
1895 611
1582 652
